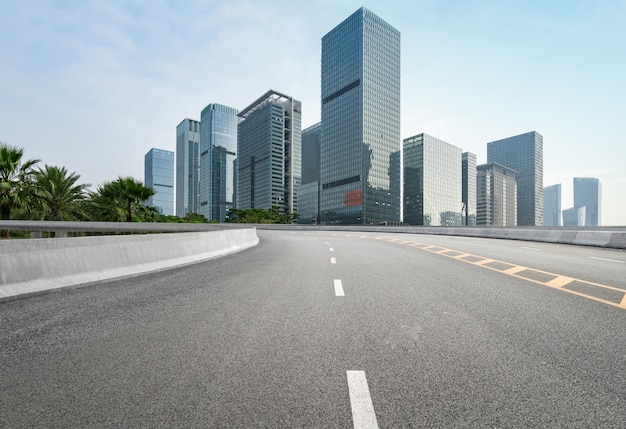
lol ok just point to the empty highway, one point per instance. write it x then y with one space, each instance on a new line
330 330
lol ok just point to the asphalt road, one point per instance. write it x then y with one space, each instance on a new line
329 330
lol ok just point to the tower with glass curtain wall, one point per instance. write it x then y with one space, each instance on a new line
360 142
187 167
218 151
524 154
159 175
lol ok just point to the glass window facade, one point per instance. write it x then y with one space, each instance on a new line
524 154
432 182
159 175
218 151
468 196
360 139
187 167
588 194
552 206
269 153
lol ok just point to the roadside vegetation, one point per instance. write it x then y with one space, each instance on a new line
29 191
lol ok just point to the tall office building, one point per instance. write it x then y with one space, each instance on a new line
496 194
468 193
360 182
159 175
524 154
575 216
432 182
218 151
552 205
588 194
269 153
187 167
309 195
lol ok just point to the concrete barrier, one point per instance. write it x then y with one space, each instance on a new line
31 266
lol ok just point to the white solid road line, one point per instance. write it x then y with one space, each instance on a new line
363 415
608 260
531 248
338 288
333 261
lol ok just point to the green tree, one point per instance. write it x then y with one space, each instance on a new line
58 197
256 215
16 180
120 201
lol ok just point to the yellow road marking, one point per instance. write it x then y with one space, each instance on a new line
560 281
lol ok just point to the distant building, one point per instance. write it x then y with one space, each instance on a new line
360 142
524 154
308 196
269 153
588 194
159 175
218 151
432 182
187 167
496 193
468 193
552 206
574 216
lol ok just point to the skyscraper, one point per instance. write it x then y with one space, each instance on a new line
360 182
309 195
159 175
496 194
552 206
468 171
432 182
588 194
218 151
524 154
269 153
187 167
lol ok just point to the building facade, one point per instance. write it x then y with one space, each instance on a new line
187 167
159 175
496 194
309 195
524 154
588 194
575 216
218 151
468 194
269 153
360 141
552 215
432 182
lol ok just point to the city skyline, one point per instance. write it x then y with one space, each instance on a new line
84 78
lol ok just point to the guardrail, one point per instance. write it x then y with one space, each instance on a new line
33 266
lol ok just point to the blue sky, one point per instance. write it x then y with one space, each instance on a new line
93 85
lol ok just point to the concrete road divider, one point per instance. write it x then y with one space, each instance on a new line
31 266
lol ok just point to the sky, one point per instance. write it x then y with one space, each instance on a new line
93 85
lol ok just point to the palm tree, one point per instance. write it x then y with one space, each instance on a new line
16 179
118 201
57 194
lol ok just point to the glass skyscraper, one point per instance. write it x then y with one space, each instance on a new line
159 175
360 142
269 153
432 182
187 167
218 151
524 154
588 194
308 195
469 188
552 206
